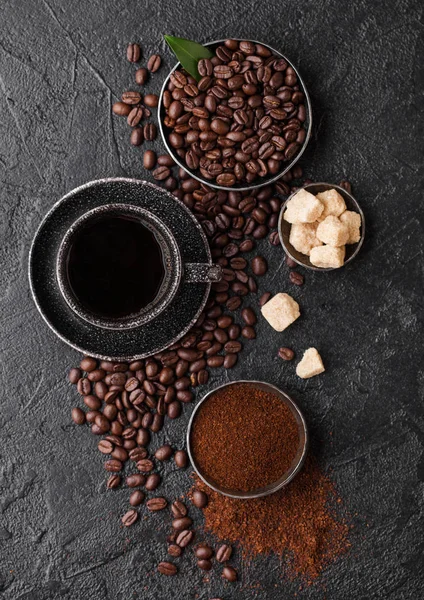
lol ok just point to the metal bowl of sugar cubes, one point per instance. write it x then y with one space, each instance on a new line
321 227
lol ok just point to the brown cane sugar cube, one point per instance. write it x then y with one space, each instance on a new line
333 202
281 311
333 232
303 237
310 365
327 257
353 221
303 208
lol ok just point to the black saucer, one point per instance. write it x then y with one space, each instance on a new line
109 344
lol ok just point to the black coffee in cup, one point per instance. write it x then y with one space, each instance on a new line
115 265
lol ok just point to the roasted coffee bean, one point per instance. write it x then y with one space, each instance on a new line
135 117
150 131
152 482
133 53
264 298
151 100
204 564
145 465
182 523
121 109
181 459
205 67
130 518
154 63
229 573
135 480
174 550
286 353
224 552
248 332
131 97
113 482
247 246
113 465
105 447
232 347
259 265
346 185
164 452
203 552
141 76
199 499
136 498
74 375
155 504
137 136
215 361
185 538
78 416
174 409
92 402
274 238
138 453
234 331
84 386
296 278
233 303
248 316
167 568
161 173
149 158
178 509
230 361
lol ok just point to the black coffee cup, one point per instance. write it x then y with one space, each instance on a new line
119 266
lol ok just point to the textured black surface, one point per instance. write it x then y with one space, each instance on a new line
62 64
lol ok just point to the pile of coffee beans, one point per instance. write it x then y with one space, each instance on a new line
183 535
242 121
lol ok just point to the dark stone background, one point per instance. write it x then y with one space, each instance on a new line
62 64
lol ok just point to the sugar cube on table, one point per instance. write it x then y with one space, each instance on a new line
281 311
310 365
353 221
327 257
333 232
303 208
303 237
333 202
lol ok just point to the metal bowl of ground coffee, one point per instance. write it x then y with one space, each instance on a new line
305 126
247 439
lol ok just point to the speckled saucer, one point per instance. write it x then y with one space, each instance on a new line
109 344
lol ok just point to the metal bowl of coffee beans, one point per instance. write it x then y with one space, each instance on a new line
321 226
244 124
247 439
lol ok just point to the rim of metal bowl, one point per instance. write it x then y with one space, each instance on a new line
345 194
266 181
287 477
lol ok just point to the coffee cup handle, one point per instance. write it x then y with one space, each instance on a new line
202 273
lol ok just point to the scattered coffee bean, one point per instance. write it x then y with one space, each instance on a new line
135 480
174 550
224 552
199 499
133 53
185 538
264 298
137 136
136 498
259 265
181 523
113 482
130 518
74 375
229 573
178 509
150 131
152 482
141 76
286 353
167 568
164 452
248 332
121 109
151 100
296 278
155 504
78 416
204 564
154 63
248 316
181 459
203 552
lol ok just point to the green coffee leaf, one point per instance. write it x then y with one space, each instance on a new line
188 53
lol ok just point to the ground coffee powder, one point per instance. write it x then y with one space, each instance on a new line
244 438
300 523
